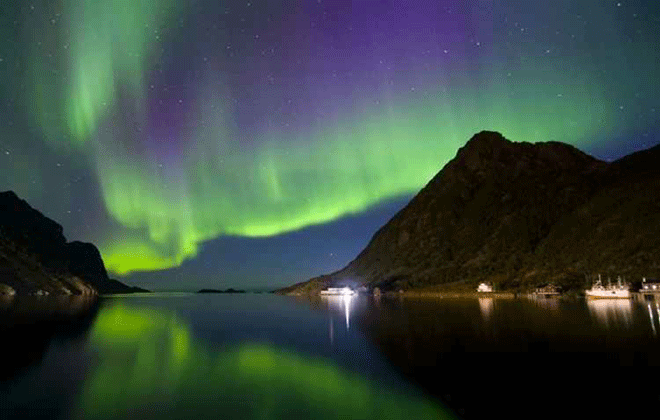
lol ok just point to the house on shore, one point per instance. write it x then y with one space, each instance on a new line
547 290
650 286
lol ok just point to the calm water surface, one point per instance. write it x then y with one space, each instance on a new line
261 356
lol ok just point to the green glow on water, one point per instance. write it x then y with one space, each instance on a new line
151 367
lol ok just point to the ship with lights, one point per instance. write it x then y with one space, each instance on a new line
338 291
620 290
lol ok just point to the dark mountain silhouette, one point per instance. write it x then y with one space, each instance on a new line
35 257
230 290
29 326
518 215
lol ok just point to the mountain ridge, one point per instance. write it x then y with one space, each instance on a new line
36 259
507 213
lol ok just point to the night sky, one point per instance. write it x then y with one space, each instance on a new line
259 143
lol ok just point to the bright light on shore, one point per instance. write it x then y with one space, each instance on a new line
338 291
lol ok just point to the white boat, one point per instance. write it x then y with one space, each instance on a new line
618 291
484 288
338 291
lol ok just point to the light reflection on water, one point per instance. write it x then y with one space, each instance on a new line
221 357
151 363
556 355
653 307
486 305
610 312
342 303
546 303
264 356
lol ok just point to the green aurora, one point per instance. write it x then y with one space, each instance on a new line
169 191
151 366
225 189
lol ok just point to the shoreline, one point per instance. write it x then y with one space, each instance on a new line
452 295
481 295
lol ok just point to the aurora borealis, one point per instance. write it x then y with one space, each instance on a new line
168 132
158 367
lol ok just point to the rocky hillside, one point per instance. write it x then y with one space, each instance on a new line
35 257
517 215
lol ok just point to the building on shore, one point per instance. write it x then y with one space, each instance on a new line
650 287
547 290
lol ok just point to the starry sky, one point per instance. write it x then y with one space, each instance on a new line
258 143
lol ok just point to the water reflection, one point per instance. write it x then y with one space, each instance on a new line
233 357
547 303
611 312
449 345
342 303
653 308
486 305
29 323
31 309
151 366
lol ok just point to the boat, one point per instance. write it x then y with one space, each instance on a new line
338 291
485 288
618 291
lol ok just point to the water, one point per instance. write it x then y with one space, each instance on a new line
212 356
527 358
261 356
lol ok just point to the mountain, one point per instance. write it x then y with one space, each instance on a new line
517 215
230 290
35 257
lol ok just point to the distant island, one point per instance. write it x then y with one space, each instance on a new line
36 259
230 290
517 216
